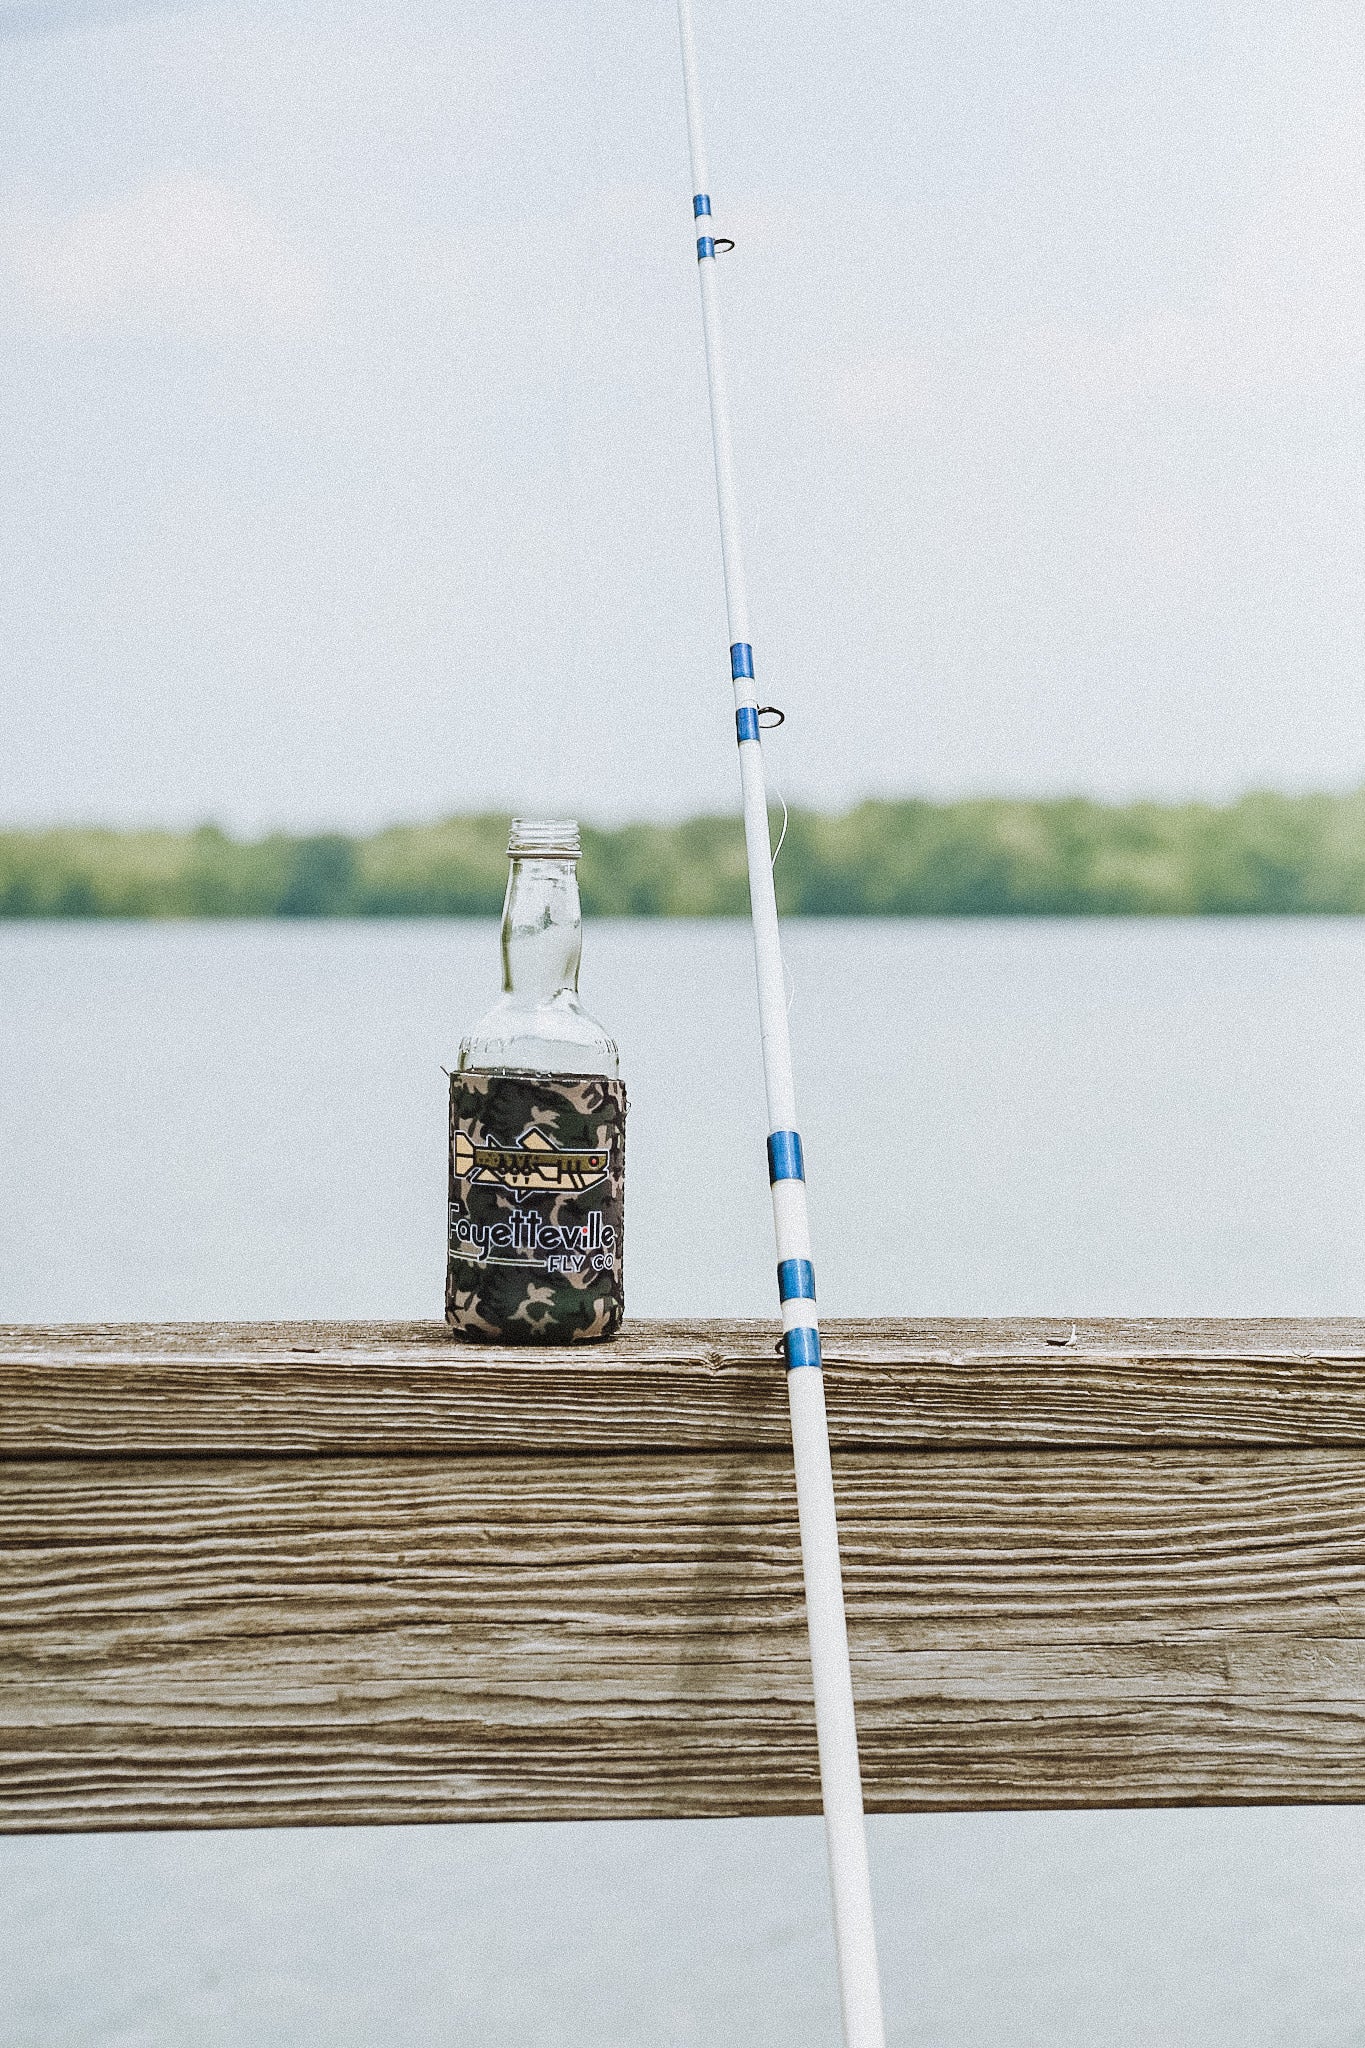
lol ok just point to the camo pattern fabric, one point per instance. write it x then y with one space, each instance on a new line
537 1208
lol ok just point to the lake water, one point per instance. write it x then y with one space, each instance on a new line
248 1120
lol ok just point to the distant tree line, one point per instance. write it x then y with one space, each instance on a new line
985 857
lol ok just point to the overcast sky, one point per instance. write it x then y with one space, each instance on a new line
355 455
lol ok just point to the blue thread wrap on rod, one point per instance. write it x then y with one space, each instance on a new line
801 1347
785 1158
795 1280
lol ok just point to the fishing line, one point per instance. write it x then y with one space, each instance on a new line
781 837
786 970
783 833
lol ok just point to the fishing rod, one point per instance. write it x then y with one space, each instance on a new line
836 1731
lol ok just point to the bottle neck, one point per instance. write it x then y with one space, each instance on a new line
542 930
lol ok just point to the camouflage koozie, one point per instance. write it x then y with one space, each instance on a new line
537 1207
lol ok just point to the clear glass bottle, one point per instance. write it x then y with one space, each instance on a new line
538 1025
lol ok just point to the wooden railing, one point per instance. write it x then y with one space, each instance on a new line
313 1573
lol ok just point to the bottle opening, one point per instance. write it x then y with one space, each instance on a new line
543 839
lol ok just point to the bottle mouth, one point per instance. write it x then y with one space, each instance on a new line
543 839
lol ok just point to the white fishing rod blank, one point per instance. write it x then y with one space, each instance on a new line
840 1778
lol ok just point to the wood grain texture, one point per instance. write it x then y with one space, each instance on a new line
407 1389
252 1642
316 1572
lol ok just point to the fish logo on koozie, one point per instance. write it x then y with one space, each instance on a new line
532 1163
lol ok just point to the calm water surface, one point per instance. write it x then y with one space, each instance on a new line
1066 1118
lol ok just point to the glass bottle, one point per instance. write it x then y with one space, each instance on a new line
537 1129
538 1025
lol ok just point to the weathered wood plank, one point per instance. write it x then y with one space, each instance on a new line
323 1572
406 1389
268 1640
